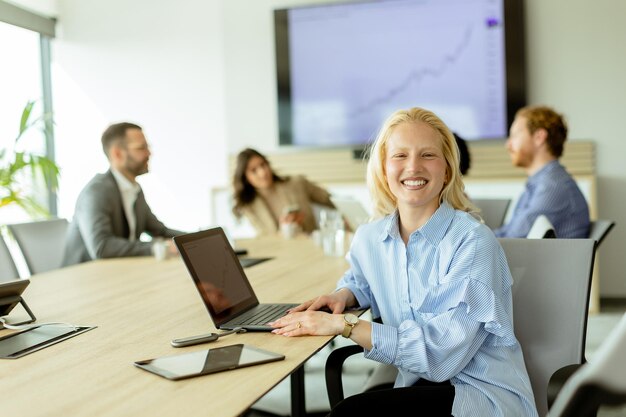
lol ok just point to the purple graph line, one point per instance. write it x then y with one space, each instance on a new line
416 77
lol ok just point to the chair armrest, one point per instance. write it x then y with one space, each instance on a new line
581 395
558 379
334 364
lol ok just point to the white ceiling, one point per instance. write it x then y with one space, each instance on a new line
47 8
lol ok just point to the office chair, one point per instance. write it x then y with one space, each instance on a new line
493 210
542 228
8 270
42 243
551 287
599 229
552 283
596 383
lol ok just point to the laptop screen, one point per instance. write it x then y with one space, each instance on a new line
217 273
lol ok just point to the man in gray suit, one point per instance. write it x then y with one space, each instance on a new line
111 211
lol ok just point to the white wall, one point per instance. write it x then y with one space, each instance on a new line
575 63
158 64
250 72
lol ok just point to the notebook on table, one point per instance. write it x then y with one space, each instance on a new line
248 262
222 283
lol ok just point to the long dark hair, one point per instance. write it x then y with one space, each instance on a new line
245 193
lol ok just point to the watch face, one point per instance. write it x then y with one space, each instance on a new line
351 319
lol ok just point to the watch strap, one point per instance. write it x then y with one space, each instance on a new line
347 329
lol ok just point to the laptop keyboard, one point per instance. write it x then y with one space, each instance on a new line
264 314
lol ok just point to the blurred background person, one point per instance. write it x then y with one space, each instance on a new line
535 143
269 200
111 211
465 159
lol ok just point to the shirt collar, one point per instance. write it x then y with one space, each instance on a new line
124 184
546 171
390 228
433 230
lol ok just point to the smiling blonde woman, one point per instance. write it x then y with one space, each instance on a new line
438 279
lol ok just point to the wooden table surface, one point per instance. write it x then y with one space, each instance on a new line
139 305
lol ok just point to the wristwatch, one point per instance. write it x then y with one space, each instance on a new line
350 321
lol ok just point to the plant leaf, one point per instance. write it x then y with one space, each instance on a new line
25 116
32 207
15 182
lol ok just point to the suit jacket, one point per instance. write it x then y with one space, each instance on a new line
100 229
295 190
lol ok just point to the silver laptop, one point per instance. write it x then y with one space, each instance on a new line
222 284
351 210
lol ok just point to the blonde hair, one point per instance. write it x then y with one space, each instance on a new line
453 191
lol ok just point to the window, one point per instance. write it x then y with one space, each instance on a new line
24 77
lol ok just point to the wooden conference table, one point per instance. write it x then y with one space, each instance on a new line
139 305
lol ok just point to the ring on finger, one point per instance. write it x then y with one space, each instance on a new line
298 325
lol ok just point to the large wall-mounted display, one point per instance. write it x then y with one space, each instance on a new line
343 68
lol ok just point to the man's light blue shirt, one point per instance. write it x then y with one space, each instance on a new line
551 191
446 305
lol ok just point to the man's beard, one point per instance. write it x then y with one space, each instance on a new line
520 159
137 169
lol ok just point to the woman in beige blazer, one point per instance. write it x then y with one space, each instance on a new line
269 200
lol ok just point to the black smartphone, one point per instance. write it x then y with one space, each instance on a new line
209 361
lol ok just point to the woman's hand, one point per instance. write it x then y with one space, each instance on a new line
306 319
309 322
292 217
335 302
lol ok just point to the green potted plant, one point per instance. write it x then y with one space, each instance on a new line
23 172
